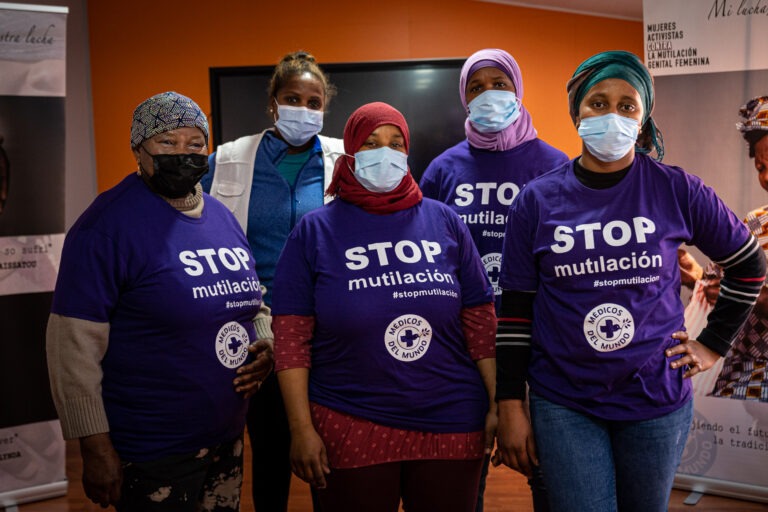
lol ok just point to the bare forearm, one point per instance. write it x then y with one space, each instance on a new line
294 385
487 368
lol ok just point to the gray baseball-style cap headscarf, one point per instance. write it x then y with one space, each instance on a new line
164 112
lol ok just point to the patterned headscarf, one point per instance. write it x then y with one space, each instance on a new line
755 124
522 129
164 112
628 67
361 123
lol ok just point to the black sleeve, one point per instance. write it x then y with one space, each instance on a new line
743 277
513 344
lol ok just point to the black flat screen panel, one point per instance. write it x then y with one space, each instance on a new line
426 92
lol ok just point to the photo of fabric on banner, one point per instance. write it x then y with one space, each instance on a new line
32 135
727 449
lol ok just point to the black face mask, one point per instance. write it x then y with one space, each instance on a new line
176 175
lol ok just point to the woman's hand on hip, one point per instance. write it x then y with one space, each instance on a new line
251 375
695 357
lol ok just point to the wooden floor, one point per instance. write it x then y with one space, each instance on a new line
506 491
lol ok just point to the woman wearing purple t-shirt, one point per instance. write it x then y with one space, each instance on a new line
591 299
394 400
156 311
480 176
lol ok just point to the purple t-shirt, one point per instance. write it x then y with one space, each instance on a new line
480 185
604 265
180 295
386 292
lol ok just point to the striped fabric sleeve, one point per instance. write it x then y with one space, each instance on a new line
513 344
743 278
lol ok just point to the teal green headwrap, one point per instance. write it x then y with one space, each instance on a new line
625 66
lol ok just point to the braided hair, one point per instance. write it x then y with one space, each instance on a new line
295 64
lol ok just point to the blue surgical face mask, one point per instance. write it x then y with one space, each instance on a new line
492 111
381 169
298 124
609 137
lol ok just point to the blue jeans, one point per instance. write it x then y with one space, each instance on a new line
608 466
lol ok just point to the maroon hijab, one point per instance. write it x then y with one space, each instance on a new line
360 125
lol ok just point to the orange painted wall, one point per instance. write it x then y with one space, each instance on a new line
142 47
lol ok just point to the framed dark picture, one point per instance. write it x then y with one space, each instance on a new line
425 91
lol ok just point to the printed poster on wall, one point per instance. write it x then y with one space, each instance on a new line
705 36
708 58
32 135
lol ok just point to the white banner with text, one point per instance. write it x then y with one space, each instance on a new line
705 36
708 59
32 225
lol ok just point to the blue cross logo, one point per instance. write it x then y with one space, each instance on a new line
494 272
409 338
234 344
609 328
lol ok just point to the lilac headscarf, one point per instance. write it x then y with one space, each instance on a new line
522 129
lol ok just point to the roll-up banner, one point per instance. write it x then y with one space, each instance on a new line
32 224
709 57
